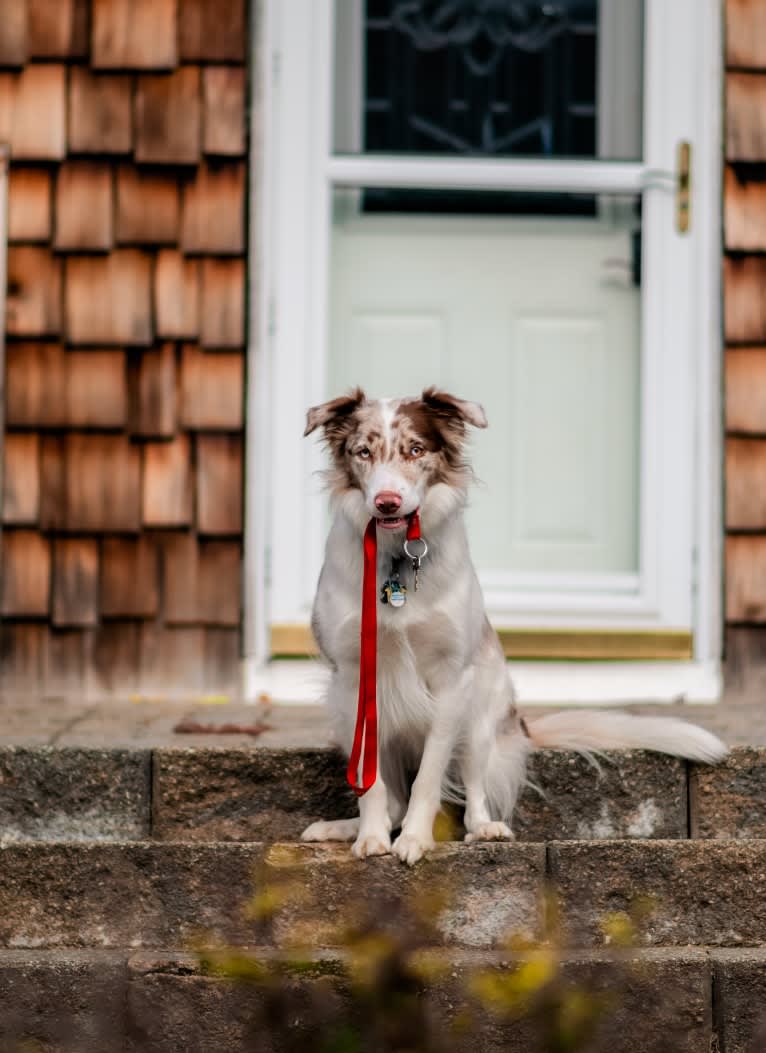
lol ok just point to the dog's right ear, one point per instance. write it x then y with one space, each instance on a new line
332 415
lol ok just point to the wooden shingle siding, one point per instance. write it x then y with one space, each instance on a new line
219 484
212 389
58 28
152 393
96 389
222 307
134 34
26 574
14 36
746 390
213 210
176 296
75 582
202 581
129 577
168 117
745 484
744 287
33 112
125 363
108 300
168 484
33 307
745 34
148 207
206 36
100 112
84 207
223 92
102 484
744 212
746 578
21 479
745 117
29 204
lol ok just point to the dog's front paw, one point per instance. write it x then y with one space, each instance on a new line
410 848
490 832
335 830
371 845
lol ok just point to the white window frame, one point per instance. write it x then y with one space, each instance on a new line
295 177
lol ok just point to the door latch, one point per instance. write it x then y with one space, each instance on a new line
683 187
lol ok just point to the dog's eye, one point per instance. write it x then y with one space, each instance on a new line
364 453
416 450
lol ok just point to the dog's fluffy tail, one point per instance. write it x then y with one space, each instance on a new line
590 731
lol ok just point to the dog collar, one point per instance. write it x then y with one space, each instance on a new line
365 745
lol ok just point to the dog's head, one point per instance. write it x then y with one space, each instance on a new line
389 455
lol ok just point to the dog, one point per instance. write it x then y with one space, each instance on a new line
446 706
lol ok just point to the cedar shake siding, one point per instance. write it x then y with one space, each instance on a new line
125 369
744 289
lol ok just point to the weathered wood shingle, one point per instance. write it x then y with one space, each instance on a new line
33 112
29 204
223 93
219 484
746 578
21 479
746 390
168 483
129 577
135 34
152 392
84 207
202 581
745 117
26 574
90 484
213 210
100 117
745 34
33 306
96 389
58 28
212 389
75 582
744 211
176 295
744 286
168 117
222 307
148 207
108 300
746 484
14 35
208 37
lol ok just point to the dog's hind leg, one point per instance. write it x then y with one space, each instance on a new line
478 822
332 830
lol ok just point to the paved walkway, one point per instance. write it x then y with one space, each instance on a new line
137 724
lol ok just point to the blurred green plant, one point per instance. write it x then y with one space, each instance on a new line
393 987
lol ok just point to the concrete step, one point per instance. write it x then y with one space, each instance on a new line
272 794
152 895
686 1000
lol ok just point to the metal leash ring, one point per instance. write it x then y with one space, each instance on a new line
411 555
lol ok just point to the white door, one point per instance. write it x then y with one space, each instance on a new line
486 197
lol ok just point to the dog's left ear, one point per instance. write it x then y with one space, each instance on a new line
446 405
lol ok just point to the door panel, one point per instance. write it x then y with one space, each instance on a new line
529 318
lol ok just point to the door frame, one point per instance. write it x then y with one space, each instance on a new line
292 179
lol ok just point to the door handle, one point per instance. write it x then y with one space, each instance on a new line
683 187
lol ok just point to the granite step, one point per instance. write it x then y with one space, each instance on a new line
257 794
152 895
120 1001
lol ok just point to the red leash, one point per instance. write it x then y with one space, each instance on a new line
366 733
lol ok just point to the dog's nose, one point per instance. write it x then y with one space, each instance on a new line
387 502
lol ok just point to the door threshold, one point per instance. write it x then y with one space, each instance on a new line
302 682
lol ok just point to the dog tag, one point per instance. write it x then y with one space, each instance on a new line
393 593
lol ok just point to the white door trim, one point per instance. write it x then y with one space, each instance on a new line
293 179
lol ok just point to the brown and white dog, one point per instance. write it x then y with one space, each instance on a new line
446 706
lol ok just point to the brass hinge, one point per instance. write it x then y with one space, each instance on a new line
683 188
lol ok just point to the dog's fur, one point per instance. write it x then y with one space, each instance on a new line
446 708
